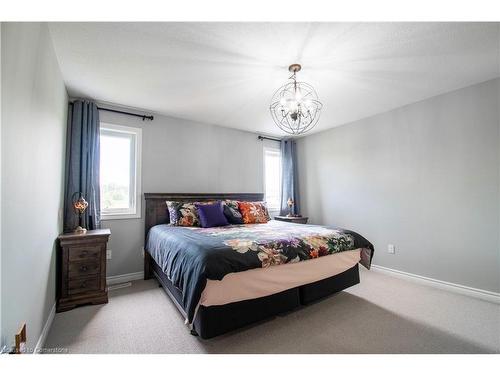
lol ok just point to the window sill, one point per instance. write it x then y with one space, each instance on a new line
273 213
120 217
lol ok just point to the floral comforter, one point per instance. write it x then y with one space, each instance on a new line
191 255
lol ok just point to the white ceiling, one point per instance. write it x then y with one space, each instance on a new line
226 73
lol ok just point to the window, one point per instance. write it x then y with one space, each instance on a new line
272 178
120 172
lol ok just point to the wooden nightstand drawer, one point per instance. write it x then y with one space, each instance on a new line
83 268
83 285
84 253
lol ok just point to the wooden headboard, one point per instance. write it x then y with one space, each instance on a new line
156 208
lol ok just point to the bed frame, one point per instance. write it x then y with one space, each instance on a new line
216 320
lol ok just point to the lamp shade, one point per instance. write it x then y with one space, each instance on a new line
80 205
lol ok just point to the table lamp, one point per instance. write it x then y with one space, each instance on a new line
290 204
80 205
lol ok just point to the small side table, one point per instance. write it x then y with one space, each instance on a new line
293 219
81 274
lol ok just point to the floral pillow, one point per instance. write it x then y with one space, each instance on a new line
232 212
254 212
172 211
184 214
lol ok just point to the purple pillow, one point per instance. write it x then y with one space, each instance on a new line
211 215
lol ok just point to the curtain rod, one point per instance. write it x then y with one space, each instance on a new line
144 117
261 138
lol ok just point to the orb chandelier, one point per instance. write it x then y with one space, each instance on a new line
295 106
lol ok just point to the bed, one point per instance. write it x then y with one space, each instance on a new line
224 278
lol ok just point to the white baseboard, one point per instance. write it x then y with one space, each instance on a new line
45 331
456 288
125 278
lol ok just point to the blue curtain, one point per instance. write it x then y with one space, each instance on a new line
289 177
82 165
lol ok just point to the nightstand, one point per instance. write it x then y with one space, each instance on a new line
293 219
81 269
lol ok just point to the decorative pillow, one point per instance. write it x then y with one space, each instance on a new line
211 215
172 211
184 214
232 212
253 212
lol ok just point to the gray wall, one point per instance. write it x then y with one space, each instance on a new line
183 156
424 177
34 107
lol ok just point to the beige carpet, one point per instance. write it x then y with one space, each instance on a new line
383 314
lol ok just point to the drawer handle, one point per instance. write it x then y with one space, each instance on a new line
83 268
84 253
83 285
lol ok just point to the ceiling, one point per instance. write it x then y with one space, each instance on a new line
226 73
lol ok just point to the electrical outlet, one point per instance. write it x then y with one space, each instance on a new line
108 254
391 249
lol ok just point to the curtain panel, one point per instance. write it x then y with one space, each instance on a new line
82 165
289 177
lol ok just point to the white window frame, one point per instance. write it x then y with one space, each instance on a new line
135 211
272 210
